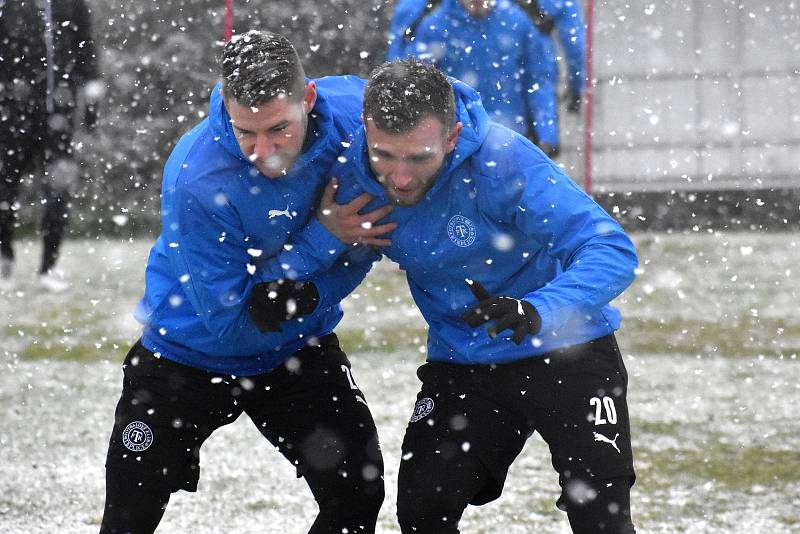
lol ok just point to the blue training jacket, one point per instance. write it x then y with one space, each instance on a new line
500 212
226 227
568 23
504 57
406 18
565 15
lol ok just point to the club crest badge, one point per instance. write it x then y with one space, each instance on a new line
137 436
421 409
461 231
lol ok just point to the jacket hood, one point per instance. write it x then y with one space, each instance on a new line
475 127
322 127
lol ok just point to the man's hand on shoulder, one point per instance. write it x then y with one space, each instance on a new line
348 225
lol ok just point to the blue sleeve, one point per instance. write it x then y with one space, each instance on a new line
218 266
541 74
346 274
397 47
312 250
406 14
210 254
572 37
597 258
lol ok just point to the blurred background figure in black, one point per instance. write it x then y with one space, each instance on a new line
48 71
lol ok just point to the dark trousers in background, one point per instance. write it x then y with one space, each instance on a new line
36 146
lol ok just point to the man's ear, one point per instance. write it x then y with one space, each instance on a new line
309 97
452 137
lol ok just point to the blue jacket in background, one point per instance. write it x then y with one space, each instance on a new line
226 227
500 212
566 17
504 57
567 21
402 27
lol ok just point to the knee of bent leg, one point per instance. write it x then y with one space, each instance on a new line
356 496
598 506
426 510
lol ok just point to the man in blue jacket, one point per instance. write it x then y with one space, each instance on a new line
232 322
565 19
491 231
497 50
560 17
403 25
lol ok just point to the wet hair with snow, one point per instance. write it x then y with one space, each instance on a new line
258 66
401 93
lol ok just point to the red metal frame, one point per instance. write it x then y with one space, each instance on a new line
228 31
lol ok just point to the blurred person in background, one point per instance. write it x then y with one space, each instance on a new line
562 20
513 268
47 73
231 322
495 48
559 20
403 26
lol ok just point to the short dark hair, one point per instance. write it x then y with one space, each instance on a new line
258 66
401 93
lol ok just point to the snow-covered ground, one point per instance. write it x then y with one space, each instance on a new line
711 346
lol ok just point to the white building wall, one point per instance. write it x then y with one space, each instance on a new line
692 94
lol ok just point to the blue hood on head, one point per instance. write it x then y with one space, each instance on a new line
220 123
475 122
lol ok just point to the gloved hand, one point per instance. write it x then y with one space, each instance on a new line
508 314
573 101
282 300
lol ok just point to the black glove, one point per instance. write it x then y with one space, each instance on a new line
507 313
283 300
573 101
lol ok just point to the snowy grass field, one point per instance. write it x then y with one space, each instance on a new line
711 337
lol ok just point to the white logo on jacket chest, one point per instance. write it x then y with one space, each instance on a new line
461 231
278 213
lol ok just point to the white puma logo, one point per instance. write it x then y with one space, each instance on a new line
612 442
278 213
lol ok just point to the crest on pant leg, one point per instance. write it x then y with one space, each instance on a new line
422 408
137 436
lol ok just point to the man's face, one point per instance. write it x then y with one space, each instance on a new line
272 134
407 163
479 8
